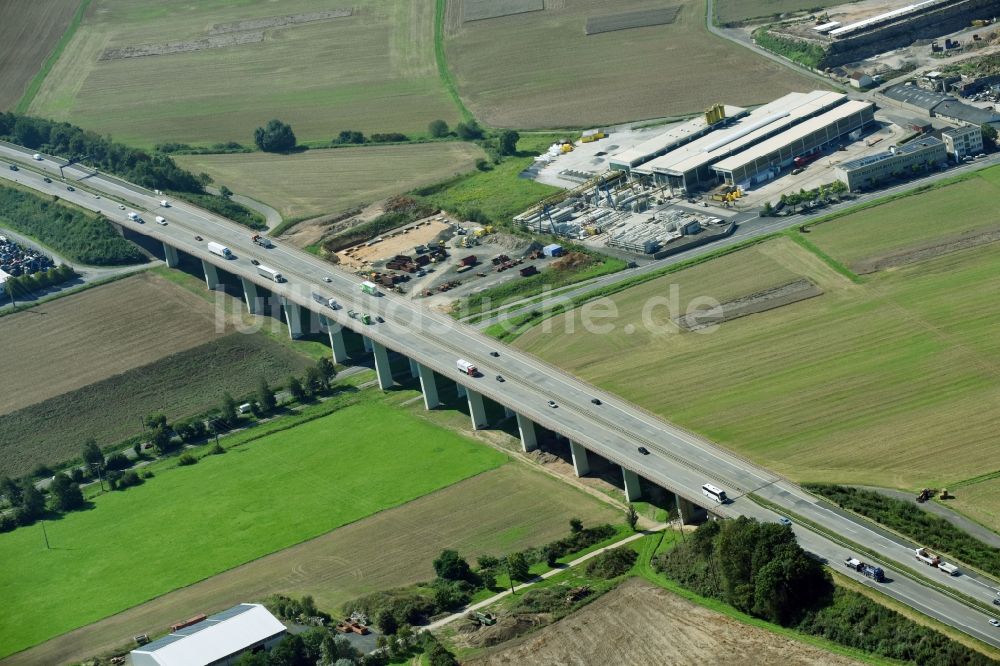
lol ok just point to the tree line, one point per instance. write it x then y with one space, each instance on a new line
25 285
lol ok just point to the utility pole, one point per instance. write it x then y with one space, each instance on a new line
97 466
510 578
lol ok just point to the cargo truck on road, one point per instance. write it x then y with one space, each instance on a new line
221 250
263 241
270 273
467 368
369 288
875 573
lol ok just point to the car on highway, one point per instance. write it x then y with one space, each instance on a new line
13 167
121 207
500 378
643 450
379 319
37 157
255 262
552 403
198 238
328 279
995 622
71 188
47 179
596 401
495 354
785 521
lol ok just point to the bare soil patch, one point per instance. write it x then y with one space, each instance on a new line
627 20
494 512
400 241
638 623
81 339
761 301
927 251
28 32
279 21
478 10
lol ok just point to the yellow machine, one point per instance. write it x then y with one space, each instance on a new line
715 114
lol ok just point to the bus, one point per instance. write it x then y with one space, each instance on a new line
710 491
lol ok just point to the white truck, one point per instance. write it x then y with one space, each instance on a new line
221 250
160 220
333 304
270 273
164 203
134 216
369 288
467 368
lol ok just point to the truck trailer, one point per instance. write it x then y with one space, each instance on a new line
467 368
927 557
270 274
369 288
221 250
875 573
263 241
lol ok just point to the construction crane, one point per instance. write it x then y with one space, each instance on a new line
548 216
607 195
70 163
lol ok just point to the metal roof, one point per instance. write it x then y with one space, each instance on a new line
800 131
925 99
212 639
905 149
666 140
765 120
952 108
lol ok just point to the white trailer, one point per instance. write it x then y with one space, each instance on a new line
467 368
221 250
162 221
270 273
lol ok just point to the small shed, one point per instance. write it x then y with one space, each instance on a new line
553 250
861 80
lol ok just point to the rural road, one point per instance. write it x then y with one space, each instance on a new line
271 216
434 626
678 460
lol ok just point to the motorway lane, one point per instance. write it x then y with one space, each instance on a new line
681 460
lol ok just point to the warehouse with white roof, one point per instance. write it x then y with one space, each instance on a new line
218 640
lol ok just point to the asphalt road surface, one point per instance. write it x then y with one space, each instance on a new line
679 461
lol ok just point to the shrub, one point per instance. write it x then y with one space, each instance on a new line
127 480
186 459
117 462
612 563
275 137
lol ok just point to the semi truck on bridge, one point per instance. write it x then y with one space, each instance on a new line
369 288
262 241
270 273
221 250
467 368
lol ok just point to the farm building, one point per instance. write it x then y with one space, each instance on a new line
962 141
673 138
871 170
216 640
796 122
766 159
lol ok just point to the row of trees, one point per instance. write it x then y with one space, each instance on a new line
817 195
29 284
150 169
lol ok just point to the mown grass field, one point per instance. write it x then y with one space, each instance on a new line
28 33
180 385
329 181
373 71
539 69
190 523
502 510
886 382
980 501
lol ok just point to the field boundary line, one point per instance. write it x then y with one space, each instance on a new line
36 83
809 246
447 80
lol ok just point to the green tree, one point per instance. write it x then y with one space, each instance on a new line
631 516
66 495
228 410
91 455
225 192
32 505
161 439
519 567
295 388
469 131
386 622
265 396
289 652
507 142
767 210
438 655
450 566
551 555
575 525
327 371
350 137
275 137
10 490
989 134
313 381
438 128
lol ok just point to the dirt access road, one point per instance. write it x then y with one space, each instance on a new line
638 624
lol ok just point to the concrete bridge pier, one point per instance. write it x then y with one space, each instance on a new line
293 316
462 391
414 369
477 410
382 367
529 439
685 509
428 385
366 341
337 344
633 489
170 255
580 463
251 296
211 276
507 412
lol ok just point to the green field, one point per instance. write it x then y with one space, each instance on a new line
883 382
329 181
980 501
190 523
373 71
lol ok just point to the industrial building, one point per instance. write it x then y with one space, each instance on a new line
869 171
940 105
963 141
218 640
765 160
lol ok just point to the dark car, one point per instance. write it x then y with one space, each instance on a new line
596 401
47 179
494 354
198 238
255 262
643 450
379 319
13 167
500 378
552 404
71 188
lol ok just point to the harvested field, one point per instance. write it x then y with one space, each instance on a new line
323 70
541 70
492 513
477 10
628 20
328 181
927 251
96 334
638 624
900 366
761 301
179 385
980 501
28 33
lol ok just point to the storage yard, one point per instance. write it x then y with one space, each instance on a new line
16 260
